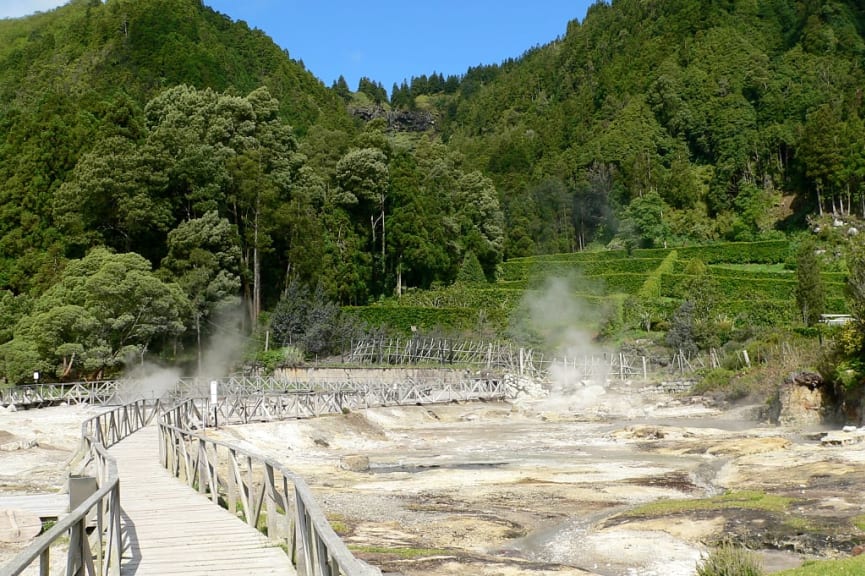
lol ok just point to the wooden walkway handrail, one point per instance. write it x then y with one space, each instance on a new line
95 393
102 555
262 492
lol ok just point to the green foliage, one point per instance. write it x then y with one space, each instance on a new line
844 567
288 356
651 288
308 321
729 560
471 272
105 311
648 124
721 382
810 293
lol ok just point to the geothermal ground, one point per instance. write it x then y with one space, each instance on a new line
608 482
561 486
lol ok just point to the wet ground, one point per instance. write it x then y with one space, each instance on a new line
561 486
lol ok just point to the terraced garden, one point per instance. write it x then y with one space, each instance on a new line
747 282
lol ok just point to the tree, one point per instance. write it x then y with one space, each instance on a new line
106 310
117 196
481 220
204 259
810 292
646 214
307 320
362 176
681 336
471 272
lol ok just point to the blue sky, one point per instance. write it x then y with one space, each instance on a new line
390 40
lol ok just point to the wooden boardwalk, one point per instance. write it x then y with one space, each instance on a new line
169 528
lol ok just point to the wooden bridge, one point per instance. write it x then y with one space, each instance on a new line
207 509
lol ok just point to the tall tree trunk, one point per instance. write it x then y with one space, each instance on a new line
198 339
819 199
256 273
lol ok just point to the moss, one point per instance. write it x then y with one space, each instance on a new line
846 567
402 553
743 500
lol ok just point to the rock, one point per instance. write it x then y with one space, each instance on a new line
19 445
321 442
852 231
857 550
842 438
354 463
800 401
524 387
748 446
397 120
18 525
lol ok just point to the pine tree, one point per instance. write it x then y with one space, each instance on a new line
810 293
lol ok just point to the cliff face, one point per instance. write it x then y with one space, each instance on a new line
397 120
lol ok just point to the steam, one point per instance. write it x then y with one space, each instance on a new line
557 320
223 351
148 382
226 345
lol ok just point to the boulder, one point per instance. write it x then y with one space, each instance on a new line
354 463
801 401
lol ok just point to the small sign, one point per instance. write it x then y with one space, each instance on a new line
214 392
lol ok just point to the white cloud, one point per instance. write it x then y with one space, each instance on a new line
16 8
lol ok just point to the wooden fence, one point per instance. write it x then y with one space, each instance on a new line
99 554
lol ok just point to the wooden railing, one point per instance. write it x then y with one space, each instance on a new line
94 393
100 553
315 398
261 491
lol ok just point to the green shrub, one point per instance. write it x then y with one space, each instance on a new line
729 560
470 271
652 286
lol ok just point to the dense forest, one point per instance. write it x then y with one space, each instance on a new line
159 162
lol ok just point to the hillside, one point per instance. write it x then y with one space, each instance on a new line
72 75
733 119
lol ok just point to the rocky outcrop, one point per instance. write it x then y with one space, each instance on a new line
397 120
801 401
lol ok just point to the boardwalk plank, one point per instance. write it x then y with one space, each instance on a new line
169 528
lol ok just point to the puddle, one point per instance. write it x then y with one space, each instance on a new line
417 468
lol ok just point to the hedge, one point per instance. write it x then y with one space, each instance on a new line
768 252
737 287
597 256
653 284
523 270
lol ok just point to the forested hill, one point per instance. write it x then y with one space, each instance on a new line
73 75
737 114
158 161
